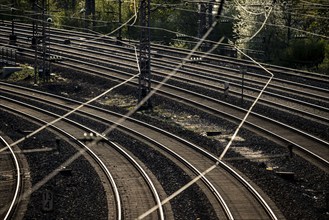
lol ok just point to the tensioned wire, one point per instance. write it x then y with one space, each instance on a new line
155 28
141 103
111 128
194 180
98 138
137 26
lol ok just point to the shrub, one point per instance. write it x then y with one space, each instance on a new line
304 53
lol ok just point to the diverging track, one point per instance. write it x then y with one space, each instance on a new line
241 199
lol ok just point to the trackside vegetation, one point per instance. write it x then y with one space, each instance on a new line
292 33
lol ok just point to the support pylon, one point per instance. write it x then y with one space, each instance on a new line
144 85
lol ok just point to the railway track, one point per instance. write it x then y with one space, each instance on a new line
315 148
127 176
312 104
114 203
224 61
209 77
214 179
272 132
11 186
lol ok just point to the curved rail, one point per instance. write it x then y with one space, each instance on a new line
198 104
144 174
162 51
161 215
306 113
99 161
314 116
215 57
215 110
250 188
96 158
18 181
126 73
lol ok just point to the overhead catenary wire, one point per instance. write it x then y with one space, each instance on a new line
114 126
313 3
86 103
197 178
120 27
225 149
290 11
246 10
151 94
174 6
157 28
225 17
262 26
73 17
100 34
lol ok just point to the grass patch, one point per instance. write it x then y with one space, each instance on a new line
27 73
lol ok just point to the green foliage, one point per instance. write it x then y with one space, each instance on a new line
181 44
275 40
305 53
169 20
324 66
25 74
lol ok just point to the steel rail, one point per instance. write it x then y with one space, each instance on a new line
127 52
207 182
315 116
164 65
178 59
272 94
144 174
99 161
323 161
250 188
15 198
93 155
176 51
80 62
236 61
320 97
232 60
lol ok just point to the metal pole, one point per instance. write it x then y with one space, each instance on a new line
12 37
144 80
120 21
84 22
35 41
288 21
242 84
87 12
90 10
43 41
12 18
199 20
49 21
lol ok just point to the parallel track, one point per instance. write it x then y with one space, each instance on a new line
304 143
10 209
163 50
95 153
313 146
212 81
186 153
